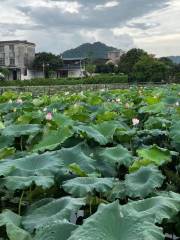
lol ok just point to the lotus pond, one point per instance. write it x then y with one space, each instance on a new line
91 166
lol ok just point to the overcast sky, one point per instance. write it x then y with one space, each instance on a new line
55 26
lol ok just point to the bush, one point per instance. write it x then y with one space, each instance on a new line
99 79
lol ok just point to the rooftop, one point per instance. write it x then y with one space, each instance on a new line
17 42
74 59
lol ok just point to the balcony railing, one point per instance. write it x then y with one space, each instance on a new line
72 67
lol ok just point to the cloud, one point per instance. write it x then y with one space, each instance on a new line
107 5
58 25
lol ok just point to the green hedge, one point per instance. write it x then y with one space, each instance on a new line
100 79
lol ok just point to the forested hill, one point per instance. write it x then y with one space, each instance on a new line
175 59
94 50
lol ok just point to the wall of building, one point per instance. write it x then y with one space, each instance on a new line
32 74
76 73
18 55
115 56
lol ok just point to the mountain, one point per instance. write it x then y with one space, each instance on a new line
175 59
95 50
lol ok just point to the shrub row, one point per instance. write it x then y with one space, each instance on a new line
100 79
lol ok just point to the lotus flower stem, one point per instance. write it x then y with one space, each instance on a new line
21 143
20 203
90 207
30 194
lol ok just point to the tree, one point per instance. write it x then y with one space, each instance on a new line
149 69
129 59
5 72
47 62
90 68
105 68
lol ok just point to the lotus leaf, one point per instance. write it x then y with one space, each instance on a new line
54 210
160 207
175 133
76 155
143 182
116 156
55 231
23 172
91 133
53 139
83 186
6 152
6 141
151 155
21 129
108 223
12 222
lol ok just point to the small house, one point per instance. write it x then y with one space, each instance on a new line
73 68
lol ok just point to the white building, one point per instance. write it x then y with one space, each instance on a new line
115 56
18 56
73 68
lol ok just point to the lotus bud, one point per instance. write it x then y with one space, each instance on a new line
118 100
177 104
49 116
127 105
19 100
135 121
10 101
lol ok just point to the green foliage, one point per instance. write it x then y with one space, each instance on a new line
55 230
95 51
83 186
105 68
4 71
129 59
50 210
48 61
143 182
108 223
99 79
151 155
92 147
90 68
149 69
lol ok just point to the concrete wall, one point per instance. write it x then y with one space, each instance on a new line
32 74
23 54
115 56
75 73
50 90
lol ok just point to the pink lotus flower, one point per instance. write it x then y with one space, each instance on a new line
49 116
19 100
135 121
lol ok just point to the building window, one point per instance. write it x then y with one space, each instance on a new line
12 61
2 61
2 55
1 49
11 48
117 54
11 55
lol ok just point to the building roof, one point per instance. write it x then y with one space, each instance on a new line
73 59
17 42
